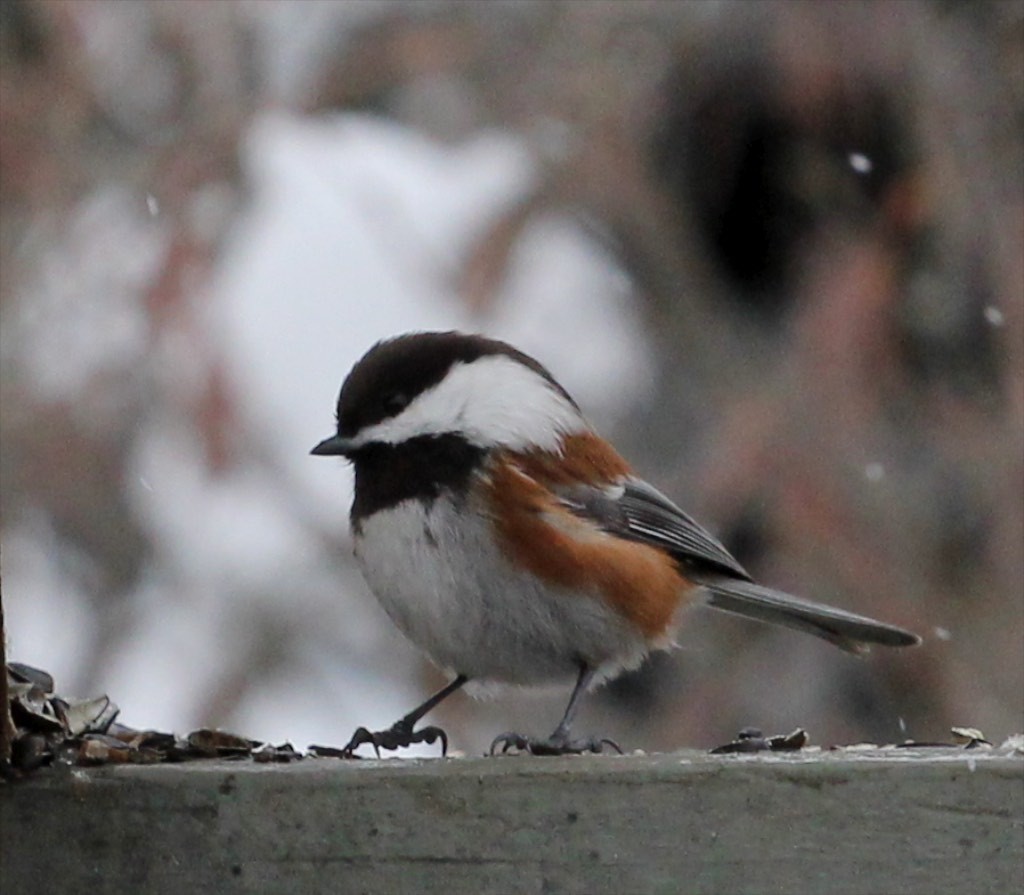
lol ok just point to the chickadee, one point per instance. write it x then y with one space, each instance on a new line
512 543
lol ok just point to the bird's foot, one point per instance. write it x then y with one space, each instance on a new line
397 736
553 745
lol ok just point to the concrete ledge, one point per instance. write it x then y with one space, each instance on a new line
880 821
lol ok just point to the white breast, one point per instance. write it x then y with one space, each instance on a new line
443 582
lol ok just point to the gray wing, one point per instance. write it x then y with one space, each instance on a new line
642 513
638 512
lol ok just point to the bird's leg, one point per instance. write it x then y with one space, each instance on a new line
558 743
402 732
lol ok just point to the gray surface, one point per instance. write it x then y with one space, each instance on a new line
884 821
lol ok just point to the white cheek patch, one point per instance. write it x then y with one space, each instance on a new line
492 402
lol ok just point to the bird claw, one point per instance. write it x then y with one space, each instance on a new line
550 746
398 736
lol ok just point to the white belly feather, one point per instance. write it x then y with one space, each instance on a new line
450 590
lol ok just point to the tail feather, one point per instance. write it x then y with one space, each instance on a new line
850 632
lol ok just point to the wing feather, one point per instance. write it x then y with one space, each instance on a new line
637 511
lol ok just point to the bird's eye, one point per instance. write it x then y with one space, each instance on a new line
395 402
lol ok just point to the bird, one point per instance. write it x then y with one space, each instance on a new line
513 544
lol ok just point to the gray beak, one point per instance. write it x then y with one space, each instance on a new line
335 446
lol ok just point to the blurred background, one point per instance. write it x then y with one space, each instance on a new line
774 249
